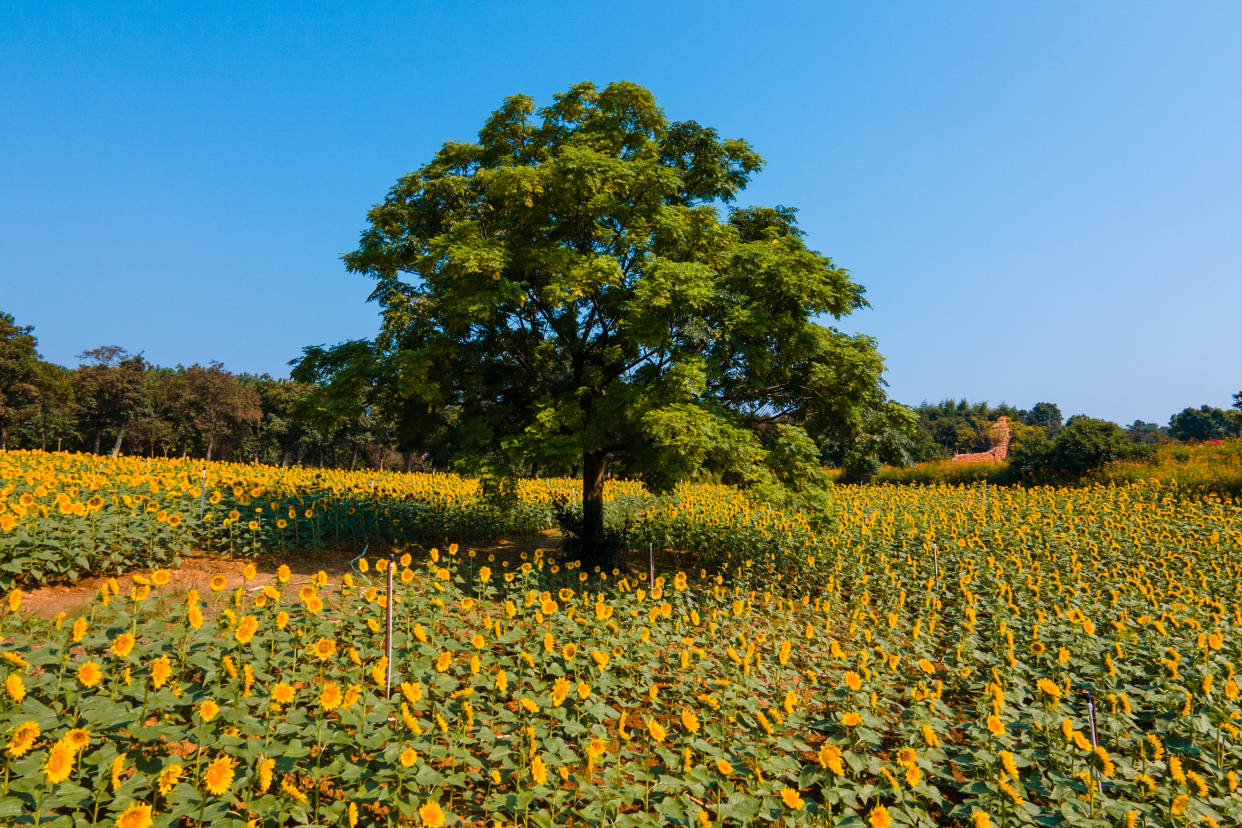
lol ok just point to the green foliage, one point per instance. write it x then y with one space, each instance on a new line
605 546
1083 444
944 472
19 375
1192 470
1205 423
1046 415
961 426
1148 434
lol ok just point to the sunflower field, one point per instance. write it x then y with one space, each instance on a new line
941 656
66 516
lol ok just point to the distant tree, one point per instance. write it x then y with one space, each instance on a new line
1237 400
280 439
341 399
961 426
1084 443
210 408
19 376
108 387
150 428
886 433
1029 454
56 422
1205 423
1044 414
1147 434
567 290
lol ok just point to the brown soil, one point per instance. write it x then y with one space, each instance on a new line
197 570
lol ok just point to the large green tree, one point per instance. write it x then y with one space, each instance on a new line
572 289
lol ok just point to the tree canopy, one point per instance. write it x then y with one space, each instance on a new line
575 289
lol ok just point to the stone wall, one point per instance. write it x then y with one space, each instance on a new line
999 450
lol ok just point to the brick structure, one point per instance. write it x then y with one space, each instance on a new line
999 450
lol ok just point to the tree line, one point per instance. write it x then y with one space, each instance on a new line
115 401
958 426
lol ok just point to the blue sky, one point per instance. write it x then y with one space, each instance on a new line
1044 201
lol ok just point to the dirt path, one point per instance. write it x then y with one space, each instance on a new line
197 570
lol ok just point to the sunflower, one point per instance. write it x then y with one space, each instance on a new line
830 758
538 771
266 766
218 582
330 697
89 674
123 644
246 628
169 777
431 814
118 766
851 719
161 577
218 777
323 648
77 739
791 799
208 710
137 815
59 763
15 687
23 738
282 693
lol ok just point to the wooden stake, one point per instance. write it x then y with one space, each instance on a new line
651 559
1094 739
388 636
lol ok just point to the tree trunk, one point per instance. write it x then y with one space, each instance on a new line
4 438
594 464
116 447
98 439
211 443
353 458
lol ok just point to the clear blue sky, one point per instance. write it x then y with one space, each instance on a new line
1043 200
